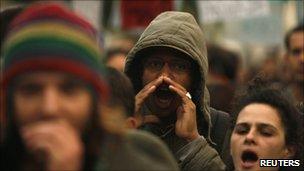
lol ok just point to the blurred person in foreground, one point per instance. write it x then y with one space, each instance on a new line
54 98
168 68
294 43
266 125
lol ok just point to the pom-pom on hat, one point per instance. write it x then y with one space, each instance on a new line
52 37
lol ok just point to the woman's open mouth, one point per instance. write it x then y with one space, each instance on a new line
249 159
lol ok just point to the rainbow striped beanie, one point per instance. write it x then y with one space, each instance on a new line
52 37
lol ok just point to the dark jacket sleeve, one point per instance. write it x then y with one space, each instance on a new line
220 134
198 155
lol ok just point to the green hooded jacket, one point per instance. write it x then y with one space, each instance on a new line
180 31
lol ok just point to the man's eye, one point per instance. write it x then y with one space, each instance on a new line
154 64
181 66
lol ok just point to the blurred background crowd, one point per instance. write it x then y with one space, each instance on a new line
243 37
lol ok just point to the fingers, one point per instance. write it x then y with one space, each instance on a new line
51 135
141 97
175 84
55 142
146 91
180 92
143 94
155 83
149 88
52 128
177 88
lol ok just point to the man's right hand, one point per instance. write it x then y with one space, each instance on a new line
145 92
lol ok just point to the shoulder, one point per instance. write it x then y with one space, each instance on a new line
151 150
137 150
218 113
219 119
148 143
138 136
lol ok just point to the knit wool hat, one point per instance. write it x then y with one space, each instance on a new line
52 37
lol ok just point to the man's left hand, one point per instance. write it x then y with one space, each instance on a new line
185 126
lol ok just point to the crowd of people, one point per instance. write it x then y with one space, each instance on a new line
66 104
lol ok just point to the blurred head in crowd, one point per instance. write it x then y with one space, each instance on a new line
121 40
122 95
294 43
116 58
265 126
118 46
222 76
52 82
222 63
6 16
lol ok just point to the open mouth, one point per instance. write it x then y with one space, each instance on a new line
249 158
163 92
164 95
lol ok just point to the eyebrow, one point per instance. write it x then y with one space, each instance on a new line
259 125
264 125
242 124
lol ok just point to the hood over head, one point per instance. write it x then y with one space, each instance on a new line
181 32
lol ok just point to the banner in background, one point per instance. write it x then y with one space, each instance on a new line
138 14
215 11
90 10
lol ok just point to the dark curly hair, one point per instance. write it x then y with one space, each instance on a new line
259 90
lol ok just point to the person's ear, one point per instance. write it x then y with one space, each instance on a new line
289 152
131 123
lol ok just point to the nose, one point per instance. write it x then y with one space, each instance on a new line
50 103
166 71
250 137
